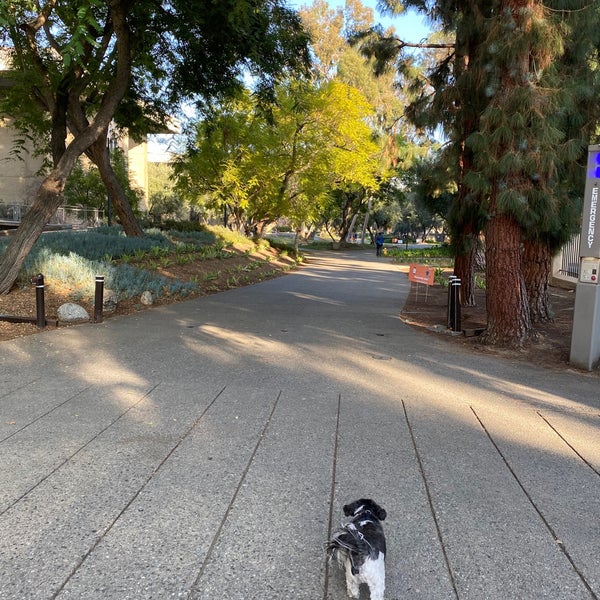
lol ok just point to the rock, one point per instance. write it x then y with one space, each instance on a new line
146 298
72 313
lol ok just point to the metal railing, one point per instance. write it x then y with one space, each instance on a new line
570 258
67 216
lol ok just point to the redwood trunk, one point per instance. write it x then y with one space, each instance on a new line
537 267
509 321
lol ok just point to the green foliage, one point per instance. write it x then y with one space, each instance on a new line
165 204
84 185
316 139
284 245
183 226
81 67
526 147
76 258
79 273
441 254
229 237
439 277
97 244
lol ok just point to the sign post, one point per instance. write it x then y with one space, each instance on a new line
585 339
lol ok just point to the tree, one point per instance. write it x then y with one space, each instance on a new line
521 150
91 61
258 170
84 184
337 59
64 156
445 96
46 114
164 201
576 70
509 95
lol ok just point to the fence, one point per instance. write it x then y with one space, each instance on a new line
65 216
565 265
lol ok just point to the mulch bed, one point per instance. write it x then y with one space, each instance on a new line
427 310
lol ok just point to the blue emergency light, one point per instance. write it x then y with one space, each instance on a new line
594 164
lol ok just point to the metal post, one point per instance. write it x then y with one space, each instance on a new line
40 305
455 295
585 339
450 310
99 299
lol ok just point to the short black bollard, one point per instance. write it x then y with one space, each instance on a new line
455 324
450 309
99 299
40 304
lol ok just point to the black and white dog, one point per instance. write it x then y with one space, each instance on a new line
359 548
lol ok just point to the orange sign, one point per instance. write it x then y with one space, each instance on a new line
421 274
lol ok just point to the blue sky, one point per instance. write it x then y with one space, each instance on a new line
410 26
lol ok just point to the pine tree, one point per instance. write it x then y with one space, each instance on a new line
452 98
522 149
577 79
516 99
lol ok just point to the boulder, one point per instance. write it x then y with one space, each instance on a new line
72 313
146 298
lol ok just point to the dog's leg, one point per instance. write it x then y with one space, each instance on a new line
352 585
376 590
375 577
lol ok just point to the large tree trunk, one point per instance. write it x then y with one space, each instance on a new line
466 220
48 199
100 155
509 322
537 267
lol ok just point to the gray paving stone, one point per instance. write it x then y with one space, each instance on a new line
196 451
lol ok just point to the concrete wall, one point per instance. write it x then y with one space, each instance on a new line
137 161
19 180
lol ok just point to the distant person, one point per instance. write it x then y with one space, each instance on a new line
379 243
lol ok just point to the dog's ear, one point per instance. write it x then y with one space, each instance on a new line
349 509
380 512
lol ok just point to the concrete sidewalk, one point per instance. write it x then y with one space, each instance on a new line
204 450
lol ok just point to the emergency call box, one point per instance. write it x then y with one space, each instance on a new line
589 270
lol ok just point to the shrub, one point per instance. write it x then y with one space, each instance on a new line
75 258
97 244
79 273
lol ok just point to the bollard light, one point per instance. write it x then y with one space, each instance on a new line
40 304
99 299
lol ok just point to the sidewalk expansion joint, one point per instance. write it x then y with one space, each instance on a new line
430 502
537 509
196 585
139 490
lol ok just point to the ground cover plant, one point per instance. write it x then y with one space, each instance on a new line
172 265
439 254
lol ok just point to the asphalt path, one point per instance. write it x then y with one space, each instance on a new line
203 450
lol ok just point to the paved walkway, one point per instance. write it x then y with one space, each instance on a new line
204 450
